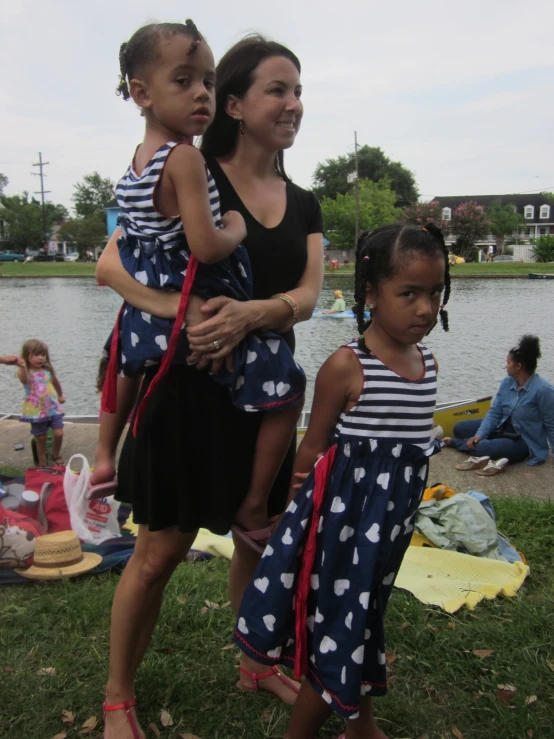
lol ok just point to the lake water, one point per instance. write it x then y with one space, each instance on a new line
75 316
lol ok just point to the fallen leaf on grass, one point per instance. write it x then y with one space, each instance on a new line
478 694
89 726
226 604
390 657
267 717
154 728
211 604
482 653
530 733
434 629
550 664
47 671
532 699
404 626
165 650
451 625
182 599
165 718
457 733
229 646
504 694
61 735
204 610
68 717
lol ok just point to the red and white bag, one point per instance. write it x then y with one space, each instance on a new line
94 521
17 538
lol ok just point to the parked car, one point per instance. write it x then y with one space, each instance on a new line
45 257
503 258
11 256
73 257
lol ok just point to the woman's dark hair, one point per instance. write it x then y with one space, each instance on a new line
143 49
377 255
527 352
234 76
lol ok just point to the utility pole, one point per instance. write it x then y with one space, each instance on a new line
42 192
357 231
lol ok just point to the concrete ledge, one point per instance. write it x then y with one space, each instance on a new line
519 479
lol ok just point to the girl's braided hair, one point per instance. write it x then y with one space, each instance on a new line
527 352
377 254
142 49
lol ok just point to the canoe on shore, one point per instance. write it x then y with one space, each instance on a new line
539 276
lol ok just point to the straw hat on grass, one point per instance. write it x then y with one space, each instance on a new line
58 556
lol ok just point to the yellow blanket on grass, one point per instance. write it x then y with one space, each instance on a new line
451 580
435 576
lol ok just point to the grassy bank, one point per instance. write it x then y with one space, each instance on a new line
437 680
48 269
87 269
486 269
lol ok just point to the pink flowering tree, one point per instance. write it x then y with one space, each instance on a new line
420 213
469 224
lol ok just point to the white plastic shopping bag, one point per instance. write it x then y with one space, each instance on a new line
94 521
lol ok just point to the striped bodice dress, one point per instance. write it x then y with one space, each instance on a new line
153 249
318 597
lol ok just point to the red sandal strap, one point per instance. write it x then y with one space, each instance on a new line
131 703
125 706
272 671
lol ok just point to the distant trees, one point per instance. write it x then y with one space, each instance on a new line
22 216
331 176
376 207
543 249
469 224
90 198
422 212
504 220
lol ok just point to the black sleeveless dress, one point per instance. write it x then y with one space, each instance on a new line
191 461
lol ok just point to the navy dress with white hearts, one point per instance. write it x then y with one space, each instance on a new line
153 249
318 597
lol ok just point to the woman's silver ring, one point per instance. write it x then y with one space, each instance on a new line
217 345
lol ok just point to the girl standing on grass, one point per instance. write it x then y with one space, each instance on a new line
43 398
319 595
175 238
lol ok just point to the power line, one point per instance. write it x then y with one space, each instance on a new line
42 191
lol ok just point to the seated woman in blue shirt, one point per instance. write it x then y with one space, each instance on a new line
520 422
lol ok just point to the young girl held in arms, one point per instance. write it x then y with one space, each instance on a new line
43 396
319 595
174 238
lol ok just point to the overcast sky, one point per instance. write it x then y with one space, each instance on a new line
460 93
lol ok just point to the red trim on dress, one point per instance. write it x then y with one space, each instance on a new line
109 388
322 473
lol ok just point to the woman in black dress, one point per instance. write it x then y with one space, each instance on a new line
190 463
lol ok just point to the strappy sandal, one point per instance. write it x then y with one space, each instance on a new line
257 676
473 463
125 706
493 468
256 540
58 461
